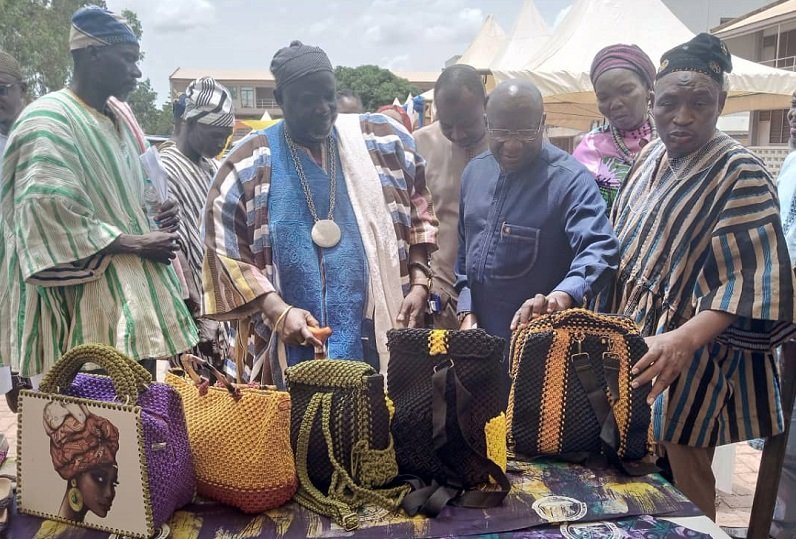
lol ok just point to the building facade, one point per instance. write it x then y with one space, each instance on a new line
253 89
767 36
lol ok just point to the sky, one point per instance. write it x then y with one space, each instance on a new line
408 35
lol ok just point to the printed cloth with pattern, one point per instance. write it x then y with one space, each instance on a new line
609 164
72 183
703 232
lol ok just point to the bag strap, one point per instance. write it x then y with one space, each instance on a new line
308 494
431 499
609 431
241 348
342 484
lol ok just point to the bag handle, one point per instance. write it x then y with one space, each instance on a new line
188 362
309 495
127 376
241 347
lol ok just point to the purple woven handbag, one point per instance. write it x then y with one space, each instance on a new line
161 425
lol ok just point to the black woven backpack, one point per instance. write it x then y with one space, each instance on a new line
340 432
571 394
449 424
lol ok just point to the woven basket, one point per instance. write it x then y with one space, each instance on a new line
240 441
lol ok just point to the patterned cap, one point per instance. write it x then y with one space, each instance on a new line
208 102
298 60
93 26
10 66
705 54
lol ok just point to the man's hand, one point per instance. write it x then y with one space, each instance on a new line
469 321
168 218
669 355
539 305
413 307
158 246
295 328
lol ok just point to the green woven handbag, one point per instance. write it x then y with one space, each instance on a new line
340 431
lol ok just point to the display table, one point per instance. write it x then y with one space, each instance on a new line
592 503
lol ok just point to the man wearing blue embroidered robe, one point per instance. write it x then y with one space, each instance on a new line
264 263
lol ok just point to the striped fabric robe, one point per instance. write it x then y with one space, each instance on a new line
189 183
71 184
703 232
238 266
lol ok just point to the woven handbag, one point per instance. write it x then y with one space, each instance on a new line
240 439
449 425
340 430
125 421
571 394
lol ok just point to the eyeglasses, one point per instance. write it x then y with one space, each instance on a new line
5 89
524 136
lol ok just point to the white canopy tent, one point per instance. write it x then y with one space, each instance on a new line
491 47
490 40
527 37
483 49
560 68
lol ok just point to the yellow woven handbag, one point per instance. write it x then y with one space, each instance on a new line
240 440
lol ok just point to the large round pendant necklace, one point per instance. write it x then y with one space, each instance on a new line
325 232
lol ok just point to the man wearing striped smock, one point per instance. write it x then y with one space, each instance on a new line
80 262
704 271
207 121
322 219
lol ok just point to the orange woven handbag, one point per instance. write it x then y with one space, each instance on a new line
240 440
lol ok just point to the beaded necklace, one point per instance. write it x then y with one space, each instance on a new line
619 140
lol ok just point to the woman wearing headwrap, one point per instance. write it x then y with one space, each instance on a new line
83 449
622 76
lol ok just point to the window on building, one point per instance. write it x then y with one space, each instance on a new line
247 97
233 91
779 128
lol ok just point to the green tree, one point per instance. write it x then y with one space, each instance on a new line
376 86
36 33
154 120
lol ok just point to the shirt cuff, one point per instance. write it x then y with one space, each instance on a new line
575 287
465 304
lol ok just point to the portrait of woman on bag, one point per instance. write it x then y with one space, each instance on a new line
83 448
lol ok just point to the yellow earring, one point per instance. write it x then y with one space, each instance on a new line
75 498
